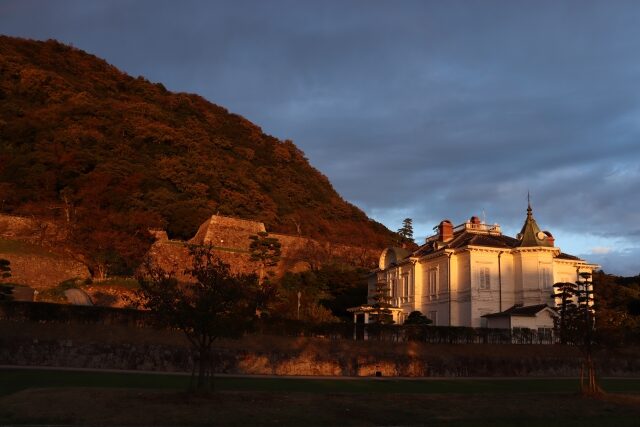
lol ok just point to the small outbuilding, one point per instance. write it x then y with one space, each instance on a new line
535 317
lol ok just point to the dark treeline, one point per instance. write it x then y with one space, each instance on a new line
617 304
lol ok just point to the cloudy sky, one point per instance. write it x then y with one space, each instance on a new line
428 110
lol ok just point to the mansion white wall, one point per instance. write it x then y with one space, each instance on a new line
401 283
482 281
534 275
434 301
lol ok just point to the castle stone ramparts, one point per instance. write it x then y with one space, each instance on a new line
230 239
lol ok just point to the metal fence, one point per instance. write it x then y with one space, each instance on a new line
61 313
405 333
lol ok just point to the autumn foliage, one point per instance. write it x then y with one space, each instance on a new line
111 155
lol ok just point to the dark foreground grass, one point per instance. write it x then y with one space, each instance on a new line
102 398
129 407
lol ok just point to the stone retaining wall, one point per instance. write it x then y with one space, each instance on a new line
43 272
30 229
235 360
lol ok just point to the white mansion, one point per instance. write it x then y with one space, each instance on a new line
473 275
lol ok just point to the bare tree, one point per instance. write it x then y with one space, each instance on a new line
215 304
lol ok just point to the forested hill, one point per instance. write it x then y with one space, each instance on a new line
112 155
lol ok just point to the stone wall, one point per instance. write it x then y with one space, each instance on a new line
42 271
229 238
267 355
116 346
227 232
29 243
30 230
173 256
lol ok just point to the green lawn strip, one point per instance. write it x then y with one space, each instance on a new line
12 380
471 386
15 380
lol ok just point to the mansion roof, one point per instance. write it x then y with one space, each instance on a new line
476 233
531 235
562 255
469 239
522 311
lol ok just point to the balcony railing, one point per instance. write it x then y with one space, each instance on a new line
489 228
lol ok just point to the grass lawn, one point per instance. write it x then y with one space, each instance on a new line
88 398
19 379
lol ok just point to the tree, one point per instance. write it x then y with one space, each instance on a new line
406 231
266 251
6 291
381 313
347 287
300 296
577 327
617 301
583 328
564 293
5 268
417 318
415 326
217 303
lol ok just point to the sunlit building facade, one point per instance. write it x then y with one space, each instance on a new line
473 275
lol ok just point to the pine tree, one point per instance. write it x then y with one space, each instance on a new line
584 330
266 251
406 231
381 313
564 293
576 326
6 291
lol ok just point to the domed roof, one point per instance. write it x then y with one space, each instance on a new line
391 256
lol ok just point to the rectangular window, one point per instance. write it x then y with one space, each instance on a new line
413 286
433 281
545 278
405 285
485 278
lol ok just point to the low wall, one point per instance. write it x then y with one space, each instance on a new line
43 271
30 245
118 347
32 230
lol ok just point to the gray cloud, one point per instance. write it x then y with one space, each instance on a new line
421 109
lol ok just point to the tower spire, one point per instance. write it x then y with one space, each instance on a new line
530 235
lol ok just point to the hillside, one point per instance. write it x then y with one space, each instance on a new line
109 156
617 301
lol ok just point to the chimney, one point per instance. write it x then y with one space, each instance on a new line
445 231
